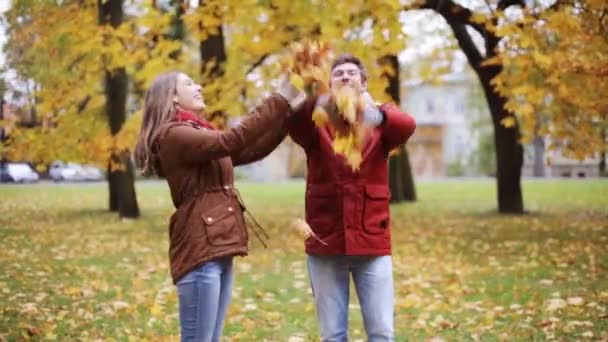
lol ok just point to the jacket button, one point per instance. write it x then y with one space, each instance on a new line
226 187
209 219
230 209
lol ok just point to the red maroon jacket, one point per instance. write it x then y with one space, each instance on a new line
349 210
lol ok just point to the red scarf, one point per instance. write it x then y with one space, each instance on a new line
182 115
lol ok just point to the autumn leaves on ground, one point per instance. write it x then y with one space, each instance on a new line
72 271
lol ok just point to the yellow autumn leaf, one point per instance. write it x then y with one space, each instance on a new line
320 116
509 121
309 60
346 100
297 81
301 227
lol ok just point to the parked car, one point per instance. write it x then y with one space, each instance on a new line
93 173
59 171
4 176
18 173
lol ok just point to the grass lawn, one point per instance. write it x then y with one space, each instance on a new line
71 271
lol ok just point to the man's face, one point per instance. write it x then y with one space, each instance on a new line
347 74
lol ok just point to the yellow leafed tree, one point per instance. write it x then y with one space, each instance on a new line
546 64
521 69
556 76
78 54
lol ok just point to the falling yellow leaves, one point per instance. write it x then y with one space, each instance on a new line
348 103
308 65
320 116
297 81
349 145
349 141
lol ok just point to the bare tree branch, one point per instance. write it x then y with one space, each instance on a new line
82 104
504 4
490 8
467 45
454 12
257 63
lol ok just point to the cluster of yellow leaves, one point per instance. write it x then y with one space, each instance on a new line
349 143
555 76
62 49
308 65
66 53
367 29
303 230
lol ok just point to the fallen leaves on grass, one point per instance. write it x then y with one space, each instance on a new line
70 272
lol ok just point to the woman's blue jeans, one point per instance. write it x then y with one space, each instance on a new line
204 295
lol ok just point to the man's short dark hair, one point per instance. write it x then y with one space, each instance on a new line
348 58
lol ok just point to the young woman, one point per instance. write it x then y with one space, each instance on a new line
208 227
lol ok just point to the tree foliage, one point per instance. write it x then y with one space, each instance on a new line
61 48
542 64
556 74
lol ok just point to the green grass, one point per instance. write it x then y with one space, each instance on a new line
72 271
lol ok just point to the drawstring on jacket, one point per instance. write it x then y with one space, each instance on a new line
256 228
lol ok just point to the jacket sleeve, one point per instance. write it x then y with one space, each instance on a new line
194 145
301 128
263 146
397 128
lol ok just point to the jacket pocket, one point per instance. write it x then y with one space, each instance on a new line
322 207
376 214
221 225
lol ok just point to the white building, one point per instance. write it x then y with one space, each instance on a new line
444 114
451 116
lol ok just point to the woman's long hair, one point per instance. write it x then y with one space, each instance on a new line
158 109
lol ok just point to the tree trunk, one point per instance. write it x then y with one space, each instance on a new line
121 179
509 155
602 165
112 188
539 157
395 183
509 152
409 188
401 179
177 30
213 50
124 183
3 135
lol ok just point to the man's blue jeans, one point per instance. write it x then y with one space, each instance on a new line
204 294
373 278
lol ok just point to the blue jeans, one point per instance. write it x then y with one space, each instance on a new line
373 278
204 294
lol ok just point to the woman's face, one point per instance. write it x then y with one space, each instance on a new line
188 95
